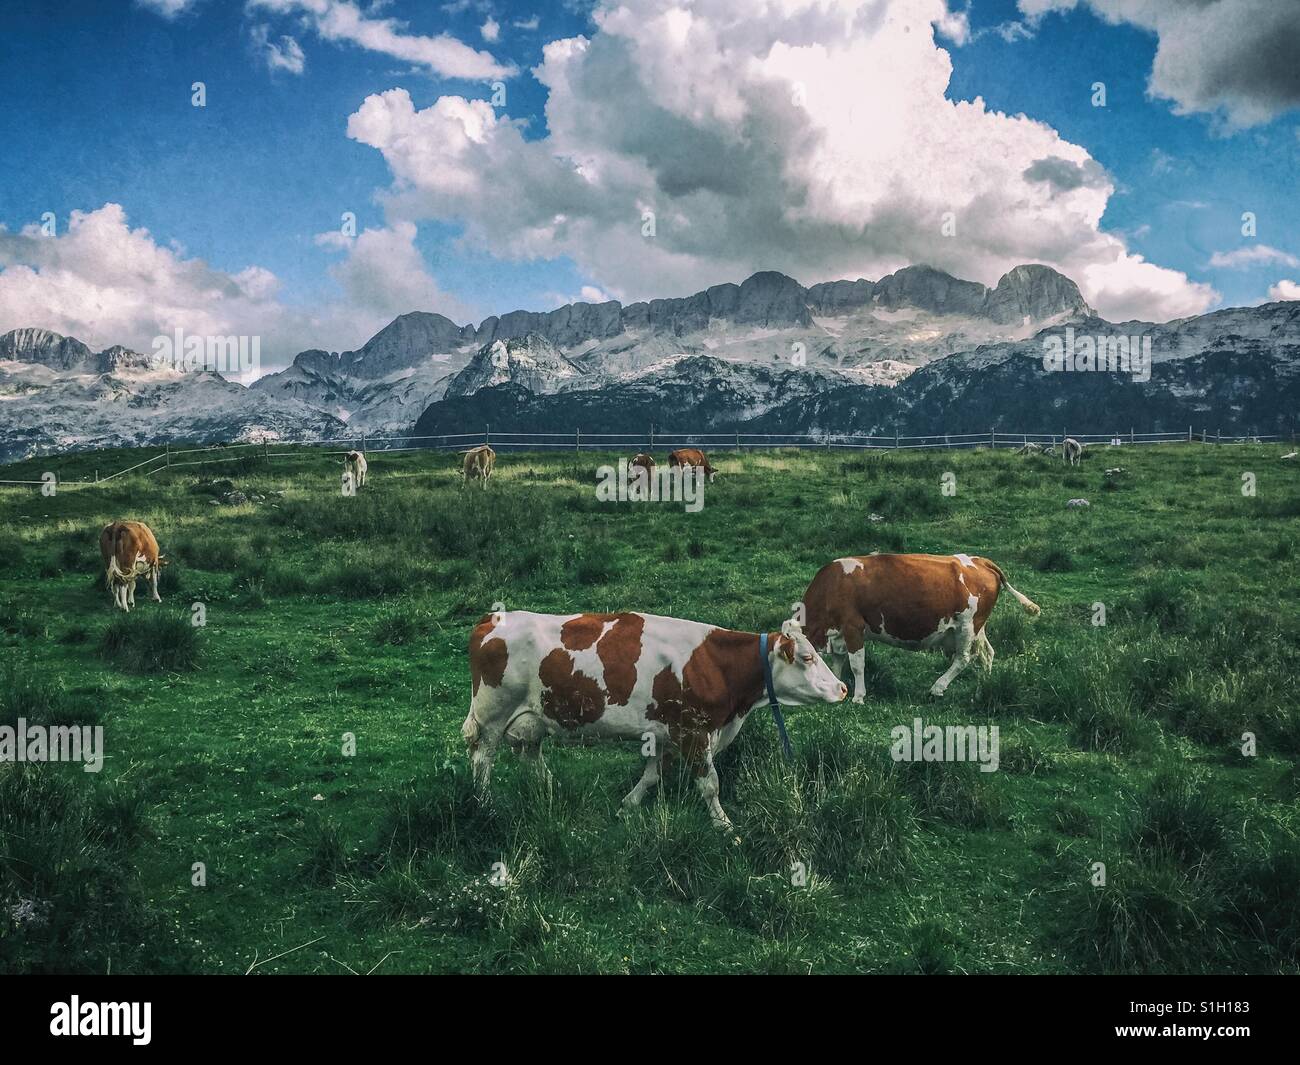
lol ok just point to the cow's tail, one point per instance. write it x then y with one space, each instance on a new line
1031 608
114 574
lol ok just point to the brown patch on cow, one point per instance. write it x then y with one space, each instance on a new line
487 657
721 680
581 632
905 597
619 651
570 697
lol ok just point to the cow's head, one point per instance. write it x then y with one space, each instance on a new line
798 673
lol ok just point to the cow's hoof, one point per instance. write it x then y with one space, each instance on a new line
859 698
937 692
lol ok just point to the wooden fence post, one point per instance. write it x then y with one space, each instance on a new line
993 438
1189 434
169 454
652 436
1131 438
577 439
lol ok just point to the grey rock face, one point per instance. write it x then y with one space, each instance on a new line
1034 292
831 299
572 324
530 361
49 349
928 289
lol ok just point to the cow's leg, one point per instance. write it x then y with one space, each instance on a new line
984 650
153 581
697 749
726 734
858 660
525 735
964 643
707 781
482 745
130 593
855 642
649 778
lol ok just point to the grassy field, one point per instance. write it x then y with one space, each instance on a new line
326 616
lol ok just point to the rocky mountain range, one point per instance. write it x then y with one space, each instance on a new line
918 350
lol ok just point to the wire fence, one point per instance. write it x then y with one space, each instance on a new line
577 440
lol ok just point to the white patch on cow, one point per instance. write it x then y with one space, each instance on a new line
849 564
964 560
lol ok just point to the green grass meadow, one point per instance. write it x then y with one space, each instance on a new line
329 616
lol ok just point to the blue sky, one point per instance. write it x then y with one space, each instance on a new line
97 109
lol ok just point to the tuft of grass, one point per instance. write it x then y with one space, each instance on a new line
1055 560
151 642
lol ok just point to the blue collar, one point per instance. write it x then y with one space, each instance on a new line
771 696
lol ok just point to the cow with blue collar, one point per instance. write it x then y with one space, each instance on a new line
663 683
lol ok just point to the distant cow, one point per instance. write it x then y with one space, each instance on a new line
129 551
920 602
479 462
687 457
1071 451
355 469
624 676
642 460
1029 449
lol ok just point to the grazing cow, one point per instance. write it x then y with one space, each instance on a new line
629 677
687 457
129 550
1071 451
921 602
479 462
355 469
642 460
1029 449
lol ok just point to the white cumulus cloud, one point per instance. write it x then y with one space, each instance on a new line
1235 58
752 134
105 283
1285 290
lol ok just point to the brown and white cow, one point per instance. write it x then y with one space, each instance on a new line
692 456
920 602
355 469
129 550
479 462
642 461
625 677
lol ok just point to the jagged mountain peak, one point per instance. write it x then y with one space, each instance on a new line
47 347
531 361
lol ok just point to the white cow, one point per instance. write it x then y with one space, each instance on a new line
1071 451
355 469
674 685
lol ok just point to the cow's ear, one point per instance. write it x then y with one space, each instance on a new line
785 647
